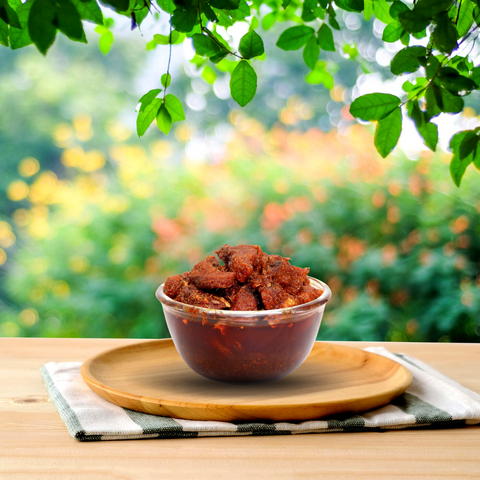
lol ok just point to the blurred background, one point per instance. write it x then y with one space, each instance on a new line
93 219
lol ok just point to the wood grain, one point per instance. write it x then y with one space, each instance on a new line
152 378
35 445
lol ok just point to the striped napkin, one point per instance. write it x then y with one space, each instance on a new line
432 400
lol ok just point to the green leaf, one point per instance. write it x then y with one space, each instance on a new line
175 108
184 20
457 169
374 106
147 115
205 46
320 75
3 33
454 82
407 60
69 21
433 110
397 8
381 10
311 53
355 5
118 5
445 34
325 38
269 20
388 132
148 98
20 38
165 39
465 18
166 79
89 10
431 8
451 103
106 41
209 75
40 24
475 75
432 66
207 11
295 37
392 32
243 83
164 120
429 132
8 14
166 5
368 9
225 4
411 22
251 45
468 145
286 3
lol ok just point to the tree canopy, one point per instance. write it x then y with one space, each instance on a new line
438 38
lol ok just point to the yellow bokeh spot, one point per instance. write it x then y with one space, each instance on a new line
45 189
336 94
8 240
183 133
161 149
38 265
63 135
61 289
21 217
118 131
116 204
28 167
17 190
86 161
469 112
79 264
9 329
3 257
118 254
28 317
5 229
83 127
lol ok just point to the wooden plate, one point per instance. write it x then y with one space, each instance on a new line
151 377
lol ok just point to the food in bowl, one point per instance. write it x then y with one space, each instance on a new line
253 318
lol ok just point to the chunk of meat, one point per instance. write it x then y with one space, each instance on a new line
191 295
242 260
274 296
245 299
307 294
289 277
173 284
207 275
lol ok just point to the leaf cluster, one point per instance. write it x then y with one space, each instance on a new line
443 74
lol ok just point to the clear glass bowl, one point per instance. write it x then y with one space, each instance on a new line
244 347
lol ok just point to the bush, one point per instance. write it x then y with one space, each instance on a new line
396 241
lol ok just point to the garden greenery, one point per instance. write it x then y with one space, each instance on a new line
438 37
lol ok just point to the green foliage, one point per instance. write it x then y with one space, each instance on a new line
446 26
388 132
374 106
243 83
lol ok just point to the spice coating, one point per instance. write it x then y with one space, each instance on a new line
249 280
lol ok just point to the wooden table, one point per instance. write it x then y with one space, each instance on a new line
35 444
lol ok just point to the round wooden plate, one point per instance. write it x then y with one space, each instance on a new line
151 377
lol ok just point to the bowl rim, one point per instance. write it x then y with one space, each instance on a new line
305 307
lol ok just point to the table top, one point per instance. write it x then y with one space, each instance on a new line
35 444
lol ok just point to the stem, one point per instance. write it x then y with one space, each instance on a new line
458 13
168 65
205 30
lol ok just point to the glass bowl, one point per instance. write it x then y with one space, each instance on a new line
244 347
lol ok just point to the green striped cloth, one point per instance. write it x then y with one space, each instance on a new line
432 400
